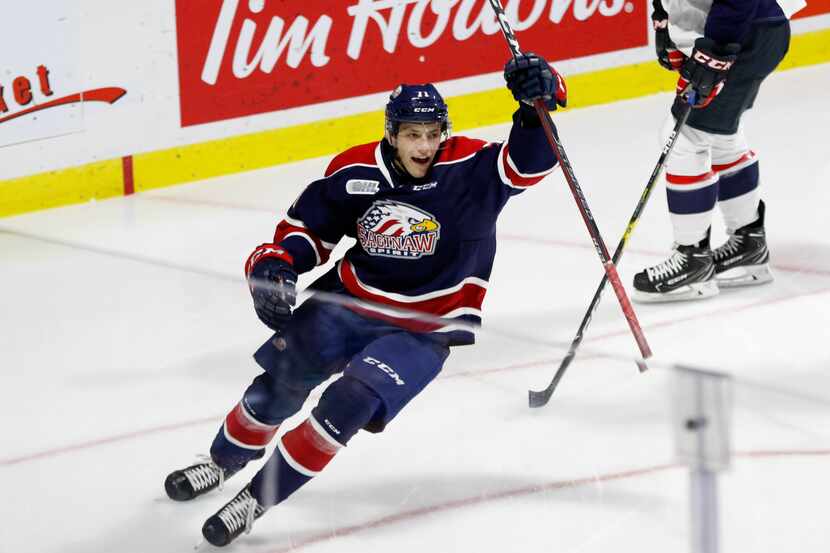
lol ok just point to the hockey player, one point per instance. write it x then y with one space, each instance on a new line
423 207
723 50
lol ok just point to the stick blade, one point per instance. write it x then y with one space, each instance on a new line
539 398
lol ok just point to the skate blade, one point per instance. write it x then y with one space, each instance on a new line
750 275
697 291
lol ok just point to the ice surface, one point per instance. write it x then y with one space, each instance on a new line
126 334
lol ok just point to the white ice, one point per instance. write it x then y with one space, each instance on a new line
126 332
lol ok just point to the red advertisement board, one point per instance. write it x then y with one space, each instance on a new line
814 7
243 57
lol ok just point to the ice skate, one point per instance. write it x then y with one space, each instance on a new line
229 522
744 259
195 480
687 275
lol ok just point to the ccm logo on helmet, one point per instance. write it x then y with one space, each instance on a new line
423 110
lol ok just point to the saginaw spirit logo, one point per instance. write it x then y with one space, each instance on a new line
395 229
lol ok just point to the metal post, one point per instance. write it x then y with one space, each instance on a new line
702 402
704 511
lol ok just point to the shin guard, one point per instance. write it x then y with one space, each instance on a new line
241 439
302 453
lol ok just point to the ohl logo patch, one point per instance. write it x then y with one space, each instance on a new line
396 229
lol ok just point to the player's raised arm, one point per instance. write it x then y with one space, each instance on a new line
526 158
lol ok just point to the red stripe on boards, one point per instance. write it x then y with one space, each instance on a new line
127 170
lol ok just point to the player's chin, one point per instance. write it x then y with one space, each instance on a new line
418 166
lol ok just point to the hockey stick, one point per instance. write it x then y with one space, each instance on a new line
581 202
540 398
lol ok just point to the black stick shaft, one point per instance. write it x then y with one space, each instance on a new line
579 197
541 397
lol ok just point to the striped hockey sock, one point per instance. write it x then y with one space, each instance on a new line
301 454
241 439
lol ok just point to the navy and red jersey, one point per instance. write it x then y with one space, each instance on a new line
730 20
724 21
423 244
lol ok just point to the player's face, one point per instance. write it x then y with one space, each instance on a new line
416 145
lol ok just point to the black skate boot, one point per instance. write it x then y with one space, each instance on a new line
689 274
195 480
744 259
237 516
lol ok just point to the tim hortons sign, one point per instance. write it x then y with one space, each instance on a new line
243 57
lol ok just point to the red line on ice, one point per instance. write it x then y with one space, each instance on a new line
104 441
623 331
395 518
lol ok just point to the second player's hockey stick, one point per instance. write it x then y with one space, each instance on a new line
581 202
540 398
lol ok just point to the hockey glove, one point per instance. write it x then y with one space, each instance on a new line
667 53
529 77
273 284
705 71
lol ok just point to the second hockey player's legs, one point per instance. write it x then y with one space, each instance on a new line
744 258
712 163
691 191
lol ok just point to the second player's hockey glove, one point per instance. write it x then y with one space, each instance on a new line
667 53
273 284
706 69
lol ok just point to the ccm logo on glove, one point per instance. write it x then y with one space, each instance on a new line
713 63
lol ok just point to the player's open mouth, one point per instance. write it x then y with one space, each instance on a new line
421 160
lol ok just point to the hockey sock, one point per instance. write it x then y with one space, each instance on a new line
738 195
241 439
691 200
691 186
302 453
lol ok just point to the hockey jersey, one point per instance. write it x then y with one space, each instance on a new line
425 244
724 21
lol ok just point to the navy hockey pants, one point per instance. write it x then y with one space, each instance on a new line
762 51
325 339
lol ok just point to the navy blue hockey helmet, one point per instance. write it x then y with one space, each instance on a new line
416 103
